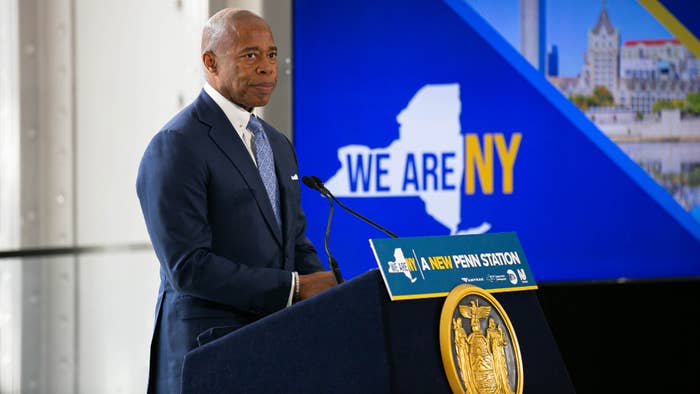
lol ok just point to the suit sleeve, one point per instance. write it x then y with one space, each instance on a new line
172 189
306 259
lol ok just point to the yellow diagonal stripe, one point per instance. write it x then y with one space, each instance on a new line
673 25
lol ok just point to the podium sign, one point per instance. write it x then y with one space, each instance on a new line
425 267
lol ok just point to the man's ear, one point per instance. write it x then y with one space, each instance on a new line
209 60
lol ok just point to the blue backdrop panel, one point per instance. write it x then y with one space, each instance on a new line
581 208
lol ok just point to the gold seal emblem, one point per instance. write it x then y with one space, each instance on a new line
480 351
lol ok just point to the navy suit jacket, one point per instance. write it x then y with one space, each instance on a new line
224 260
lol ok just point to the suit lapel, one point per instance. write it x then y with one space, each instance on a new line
224 136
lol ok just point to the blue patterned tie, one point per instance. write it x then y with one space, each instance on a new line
266 164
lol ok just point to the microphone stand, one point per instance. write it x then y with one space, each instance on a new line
326 192
331 260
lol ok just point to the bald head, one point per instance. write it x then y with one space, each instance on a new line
221 28
240 57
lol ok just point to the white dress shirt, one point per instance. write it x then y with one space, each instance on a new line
239 118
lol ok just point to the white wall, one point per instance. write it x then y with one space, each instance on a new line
116 303
84 85
136 65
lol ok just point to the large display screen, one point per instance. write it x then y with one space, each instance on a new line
433 118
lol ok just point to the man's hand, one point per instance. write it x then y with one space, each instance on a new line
312 284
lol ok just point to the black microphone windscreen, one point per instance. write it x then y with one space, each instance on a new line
319 185
318 180
309 182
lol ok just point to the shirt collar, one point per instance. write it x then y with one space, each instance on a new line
238 116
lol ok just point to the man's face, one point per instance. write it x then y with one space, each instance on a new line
247 67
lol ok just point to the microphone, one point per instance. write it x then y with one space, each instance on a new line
313 184
318 185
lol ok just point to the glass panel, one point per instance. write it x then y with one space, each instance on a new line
77 323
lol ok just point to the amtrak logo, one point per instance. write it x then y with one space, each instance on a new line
431 160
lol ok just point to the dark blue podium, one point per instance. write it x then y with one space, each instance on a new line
353 339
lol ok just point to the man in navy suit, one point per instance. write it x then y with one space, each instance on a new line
220 195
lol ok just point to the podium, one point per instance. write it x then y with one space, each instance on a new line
353 339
